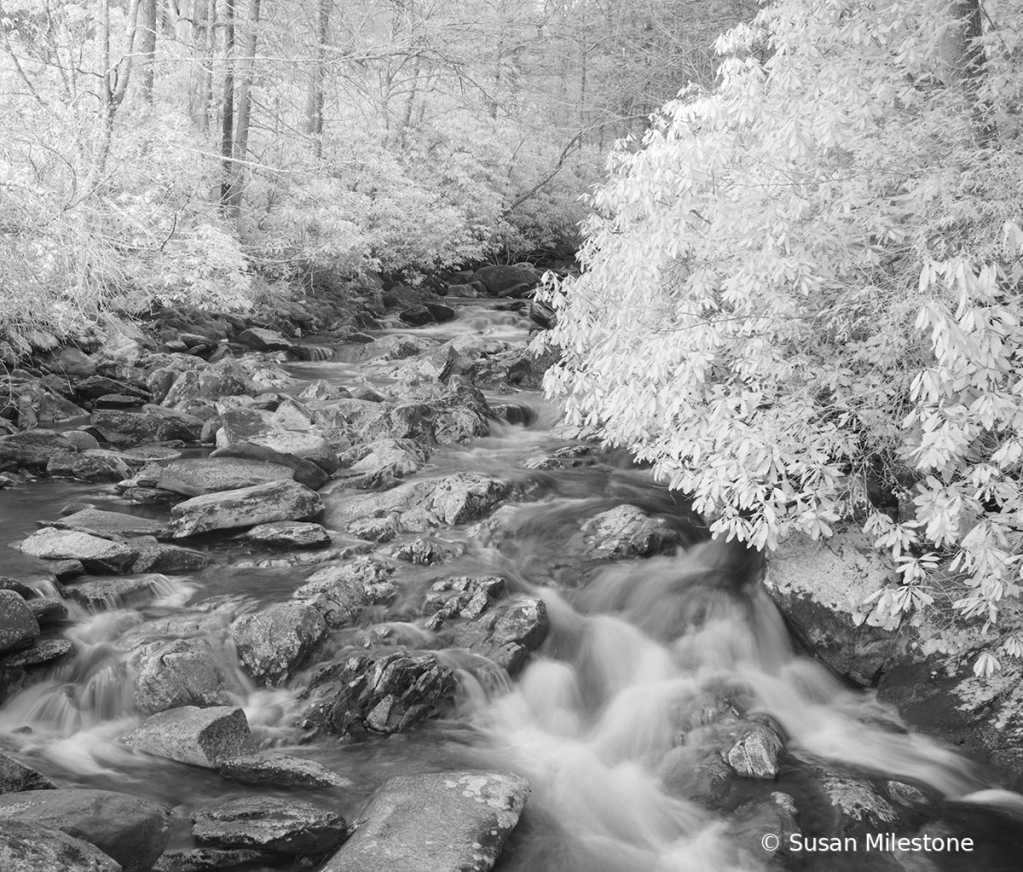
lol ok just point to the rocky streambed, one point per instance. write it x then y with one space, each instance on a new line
359 603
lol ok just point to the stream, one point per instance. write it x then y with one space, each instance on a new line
616 719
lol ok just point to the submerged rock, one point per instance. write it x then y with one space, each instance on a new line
283 826
31 847
132 831
200 736
274 642
441 822
245 507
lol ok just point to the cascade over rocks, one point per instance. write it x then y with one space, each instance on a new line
443 821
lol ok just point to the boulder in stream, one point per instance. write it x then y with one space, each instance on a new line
18 626
274 642
507 634
107 525
179 672
244 507
625 531
31 847
152 424
132 831
258 428
290 534
33 449
425 503
441 822
340 591
381 463
196 476
382 693
96 554
16 777
281 770
261 339
269 823
200 736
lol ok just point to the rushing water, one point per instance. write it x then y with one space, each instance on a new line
614 721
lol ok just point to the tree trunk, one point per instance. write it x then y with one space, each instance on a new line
147 49
236 180
314 98
227 106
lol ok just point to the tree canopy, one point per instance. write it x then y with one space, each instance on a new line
803 288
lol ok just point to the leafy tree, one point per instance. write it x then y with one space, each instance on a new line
806 284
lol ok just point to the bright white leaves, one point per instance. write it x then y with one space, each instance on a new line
800 279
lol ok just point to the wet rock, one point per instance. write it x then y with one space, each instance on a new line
18 626
274 642
200 736
96 465
41 651
364 421
33 449
179 672
626 531
133 831
542 315
284 826
381 463
426 503
860 807
465 596
340 592
48 610
96 554
194 477
323 390
253 427
152 424
508 634
750 823
71 361
118 401
106 524
427 551
111 593
417 315
30 847
755 754
821 587
441 822
170 559
281 770
383 693
499 279
96 386
16 777
65 570
52 408
458 409
569 457
290 534
394 347
244 507
20 588
83 441
261 339
303 471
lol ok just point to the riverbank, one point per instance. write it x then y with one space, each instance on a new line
354 601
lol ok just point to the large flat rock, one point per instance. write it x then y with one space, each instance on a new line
107 524
439 822
96 554
244 507
132 831
284 826
200 736
196 476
